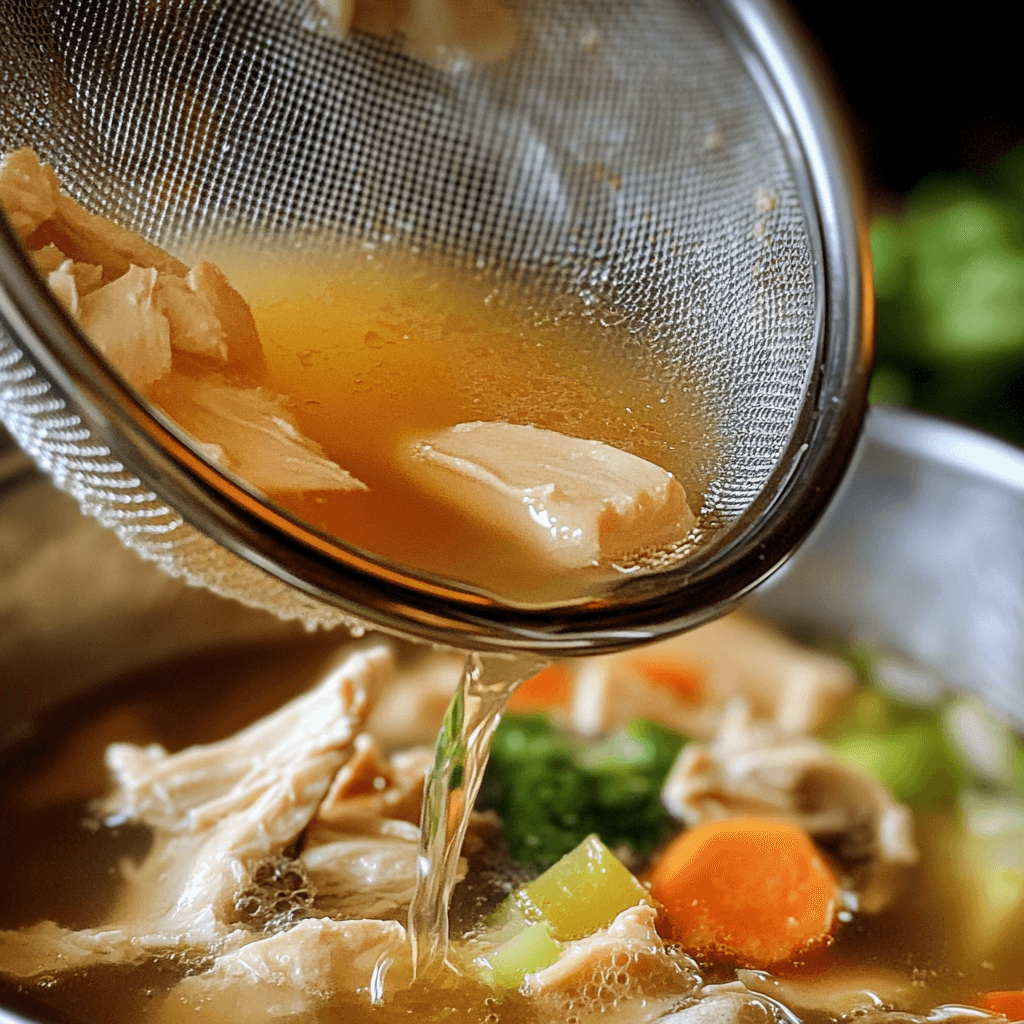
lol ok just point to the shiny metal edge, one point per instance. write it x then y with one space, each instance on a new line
438 611
945 442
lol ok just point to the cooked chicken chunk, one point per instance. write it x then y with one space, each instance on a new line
199 786
687 682
28 191
731 1003
412 708
365 876
443 31
750 769
218 812
626 956
144 311
285 974
362 848
123 321
842 993
221 306
372 787
251 432
735 1003
199 311
69 281
191 319
47 948
570 502
49 258
43 215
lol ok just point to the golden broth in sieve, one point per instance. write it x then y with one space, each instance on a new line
374 350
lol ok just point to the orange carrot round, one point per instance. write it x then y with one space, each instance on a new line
1009 1004
685 681
550 688
753 889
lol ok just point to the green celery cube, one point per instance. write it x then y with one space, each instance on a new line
584 891
530 950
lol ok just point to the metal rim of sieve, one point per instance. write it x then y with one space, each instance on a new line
642 608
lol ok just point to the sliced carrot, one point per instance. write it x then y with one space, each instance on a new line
685 681
1010 1004
750 889
548 689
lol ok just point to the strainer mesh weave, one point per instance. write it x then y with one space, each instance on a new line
623 156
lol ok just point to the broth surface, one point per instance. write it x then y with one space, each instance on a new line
60 866
377 349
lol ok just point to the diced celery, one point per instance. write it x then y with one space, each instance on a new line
582 892
986 745
914 761
989 869
530 950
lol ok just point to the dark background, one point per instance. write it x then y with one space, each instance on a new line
935 102
924 91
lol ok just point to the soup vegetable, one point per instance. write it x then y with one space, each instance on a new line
722 827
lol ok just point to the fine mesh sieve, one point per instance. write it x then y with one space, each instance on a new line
675 162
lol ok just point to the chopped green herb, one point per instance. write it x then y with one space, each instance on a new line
552 789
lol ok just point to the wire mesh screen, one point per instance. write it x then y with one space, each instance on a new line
622 155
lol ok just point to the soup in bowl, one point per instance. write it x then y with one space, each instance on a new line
812 810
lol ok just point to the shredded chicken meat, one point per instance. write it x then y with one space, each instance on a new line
183 337
687 682
219 814
629 948
757 769
759 1002
284 974
445 32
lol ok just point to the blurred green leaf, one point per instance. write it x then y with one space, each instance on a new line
889 386
980 310
890 253
949 273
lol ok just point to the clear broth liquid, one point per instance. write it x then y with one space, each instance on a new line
375 349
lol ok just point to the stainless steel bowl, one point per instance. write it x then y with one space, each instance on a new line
922 553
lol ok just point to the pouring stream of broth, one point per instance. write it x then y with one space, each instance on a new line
460 757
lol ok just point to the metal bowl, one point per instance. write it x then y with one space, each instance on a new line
922 554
